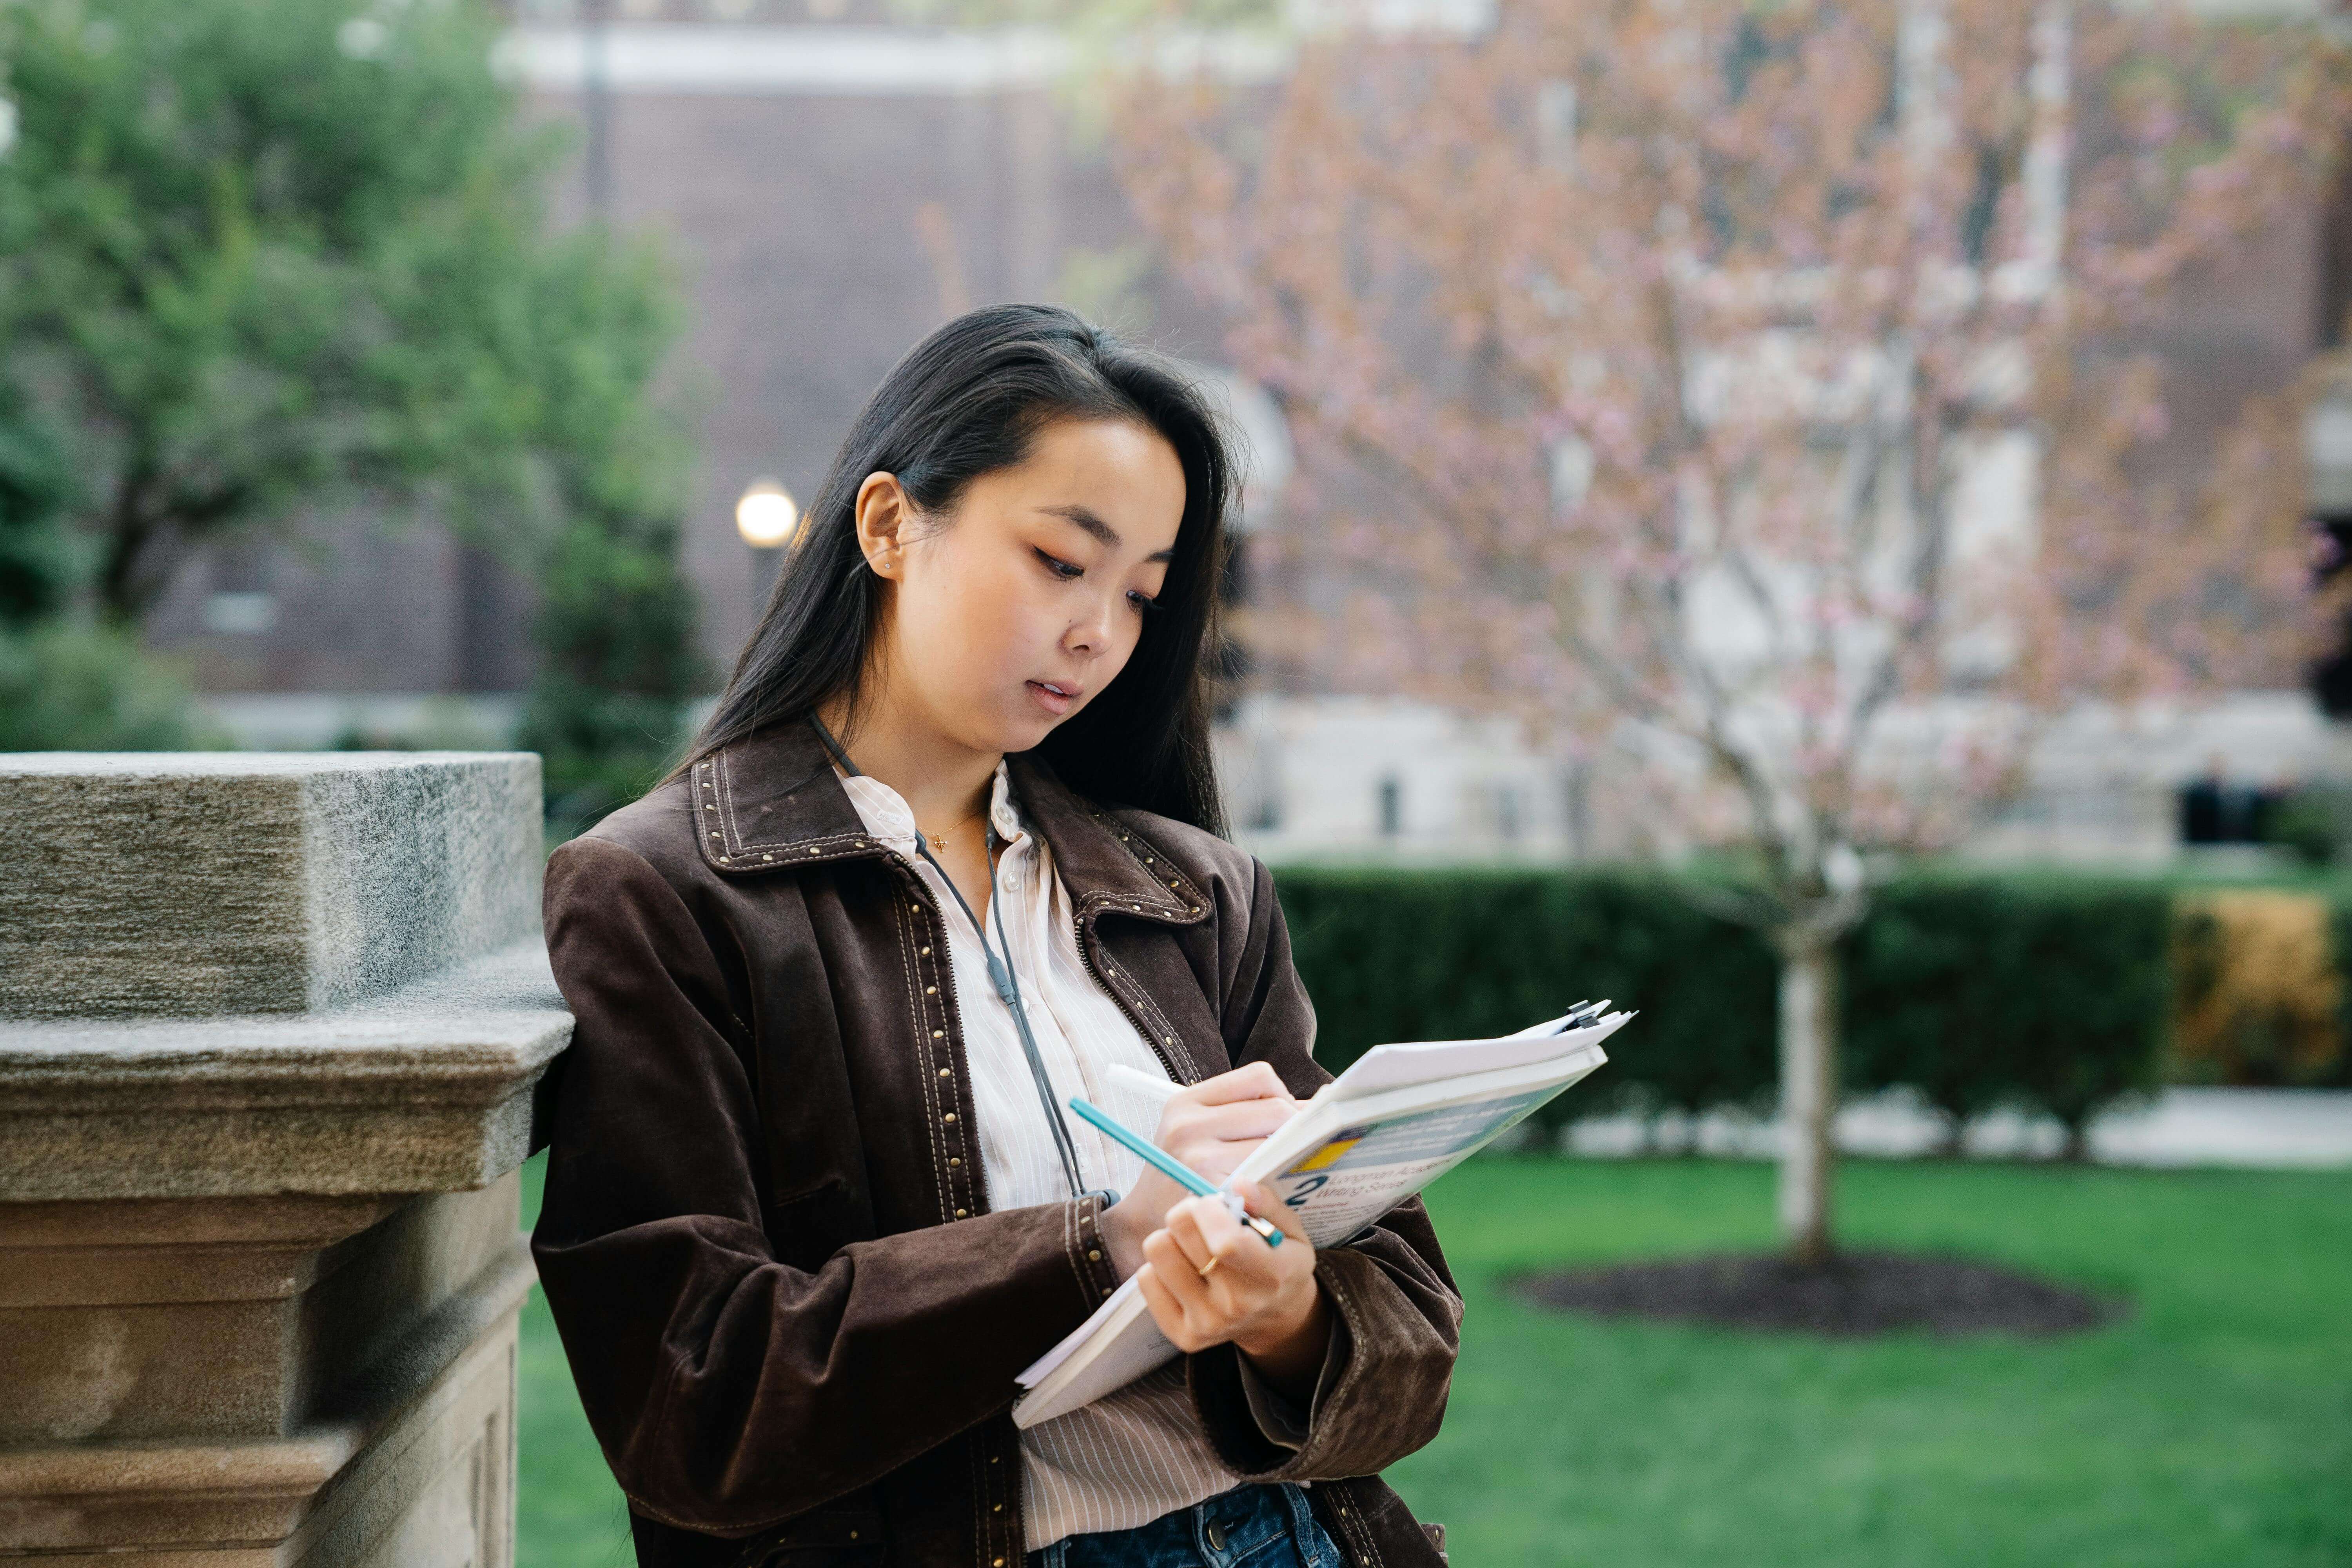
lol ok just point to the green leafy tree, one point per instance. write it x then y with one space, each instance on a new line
64 685
261 256
72 686
39 564
616 633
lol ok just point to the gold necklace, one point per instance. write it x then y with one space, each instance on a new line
939 840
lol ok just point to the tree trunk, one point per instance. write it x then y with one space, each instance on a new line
1951 1142
1809 1082
2077 1148
129 577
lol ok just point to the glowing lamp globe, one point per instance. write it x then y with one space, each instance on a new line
765 515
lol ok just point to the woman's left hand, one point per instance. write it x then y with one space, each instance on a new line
1263 1298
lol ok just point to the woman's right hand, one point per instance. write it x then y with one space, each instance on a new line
1211 1126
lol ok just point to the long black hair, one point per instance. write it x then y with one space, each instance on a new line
970 400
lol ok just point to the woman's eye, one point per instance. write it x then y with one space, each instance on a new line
1059 567
1143 601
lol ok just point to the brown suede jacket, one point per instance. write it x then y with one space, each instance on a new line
792 1316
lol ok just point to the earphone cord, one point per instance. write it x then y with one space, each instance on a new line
999 974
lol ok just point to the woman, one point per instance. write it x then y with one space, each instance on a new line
945 854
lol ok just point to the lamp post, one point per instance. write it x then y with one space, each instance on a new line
767 519
596 99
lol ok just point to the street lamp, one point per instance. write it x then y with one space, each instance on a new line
765 515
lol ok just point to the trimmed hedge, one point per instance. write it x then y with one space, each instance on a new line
2051 994
2048 994
1405 955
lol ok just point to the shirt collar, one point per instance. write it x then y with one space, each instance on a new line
887 815
773 800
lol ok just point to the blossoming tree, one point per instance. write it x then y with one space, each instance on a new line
1737 393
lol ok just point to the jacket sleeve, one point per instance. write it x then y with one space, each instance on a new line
728 1390
1396 1315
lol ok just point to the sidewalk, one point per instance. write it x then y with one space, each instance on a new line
2255 1128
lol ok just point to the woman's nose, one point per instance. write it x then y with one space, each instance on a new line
1090 633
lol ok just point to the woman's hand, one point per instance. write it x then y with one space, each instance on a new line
1263 1298
1211 1127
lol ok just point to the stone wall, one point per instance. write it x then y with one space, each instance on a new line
270 1028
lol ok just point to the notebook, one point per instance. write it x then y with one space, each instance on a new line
1399 1118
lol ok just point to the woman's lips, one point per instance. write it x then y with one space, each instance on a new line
1054 697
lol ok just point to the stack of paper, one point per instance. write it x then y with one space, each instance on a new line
1381 1132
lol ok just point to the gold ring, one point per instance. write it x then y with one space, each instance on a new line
1204 1270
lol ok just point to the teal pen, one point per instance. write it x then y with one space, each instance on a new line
1181 1174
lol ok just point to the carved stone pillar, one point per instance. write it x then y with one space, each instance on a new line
270 1028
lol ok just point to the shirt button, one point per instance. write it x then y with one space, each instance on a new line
1093 1254
1216 1533
948 1117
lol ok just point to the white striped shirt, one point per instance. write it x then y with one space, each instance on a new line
1132 1455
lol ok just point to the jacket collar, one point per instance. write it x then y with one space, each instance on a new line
773 801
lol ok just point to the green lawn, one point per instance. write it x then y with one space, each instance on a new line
568 1513
2212 1426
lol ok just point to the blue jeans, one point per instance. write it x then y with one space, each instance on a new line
1267 1526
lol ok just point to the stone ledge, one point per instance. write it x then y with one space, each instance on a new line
282 1467
428 1090
204 884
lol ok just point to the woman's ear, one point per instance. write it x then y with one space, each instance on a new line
883 515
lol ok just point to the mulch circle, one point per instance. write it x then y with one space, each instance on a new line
1856 1295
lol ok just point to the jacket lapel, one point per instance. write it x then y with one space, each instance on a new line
774 801
1110 866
